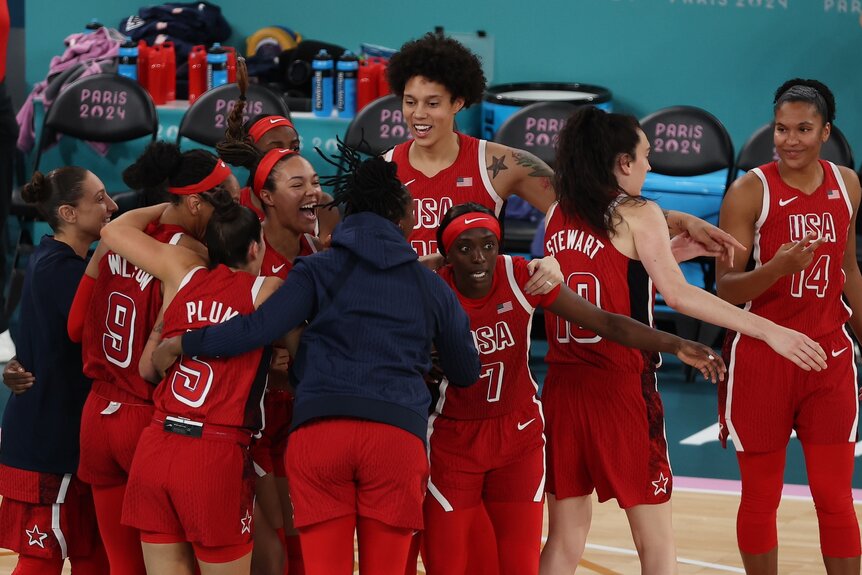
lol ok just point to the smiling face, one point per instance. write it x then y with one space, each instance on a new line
800 131
94 208
473 256
429 110
293 202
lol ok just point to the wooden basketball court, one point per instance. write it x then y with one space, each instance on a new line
705 525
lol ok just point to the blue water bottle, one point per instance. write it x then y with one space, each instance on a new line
216 66
127 59
345 85
321 84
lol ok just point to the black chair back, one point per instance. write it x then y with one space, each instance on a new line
205 121
687 141
378 126
536 129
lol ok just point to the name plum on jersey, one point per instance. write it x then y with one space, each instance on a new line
211 312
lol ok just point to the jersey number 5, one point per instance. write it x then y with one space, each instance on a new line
120 329
587 286
191 381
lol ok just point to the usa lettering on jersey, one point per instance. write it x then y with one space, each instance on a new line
120 267
489 339
429 211
821 224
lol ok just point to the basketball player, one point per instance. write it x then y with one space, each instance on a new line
799 215
486 442
611 245
47 514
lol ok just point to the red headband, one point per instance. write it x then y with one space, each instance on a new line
219 174
469 221
266 124
264 167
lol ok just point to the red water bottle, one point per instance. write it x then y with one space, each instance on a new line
231 64
143 62
155 76
366 85
197 72
169 72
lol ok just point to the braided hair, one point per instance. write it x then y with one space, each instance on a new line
366 185
809 91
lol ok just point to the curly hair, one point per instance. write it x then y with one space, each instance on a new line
440 59
163 164
584 179
810 91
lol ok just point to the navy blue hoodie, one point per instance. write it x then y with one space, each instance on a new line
374 312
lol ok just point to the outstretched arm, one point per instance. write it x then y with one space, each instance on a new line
520 173
632 333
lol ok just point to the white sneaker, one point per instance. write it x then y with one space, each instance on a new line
7 347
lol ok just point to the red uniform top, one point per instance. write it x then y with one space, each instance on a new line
466 180
596 271
786 216
221 391
245 200
124 307
500 323
275 264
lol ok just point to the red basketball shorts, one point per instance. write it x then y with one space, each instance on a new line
341 467
46 515
605 432
500 459
197 489
268 450
109 435
766 396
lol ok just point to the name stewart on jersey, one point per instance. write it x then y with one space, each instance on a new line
574 239
491 338
118 266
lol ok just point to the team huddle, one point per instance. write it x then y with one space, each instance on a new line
244 379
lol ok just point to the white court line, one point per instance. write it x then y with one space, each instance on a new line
683 560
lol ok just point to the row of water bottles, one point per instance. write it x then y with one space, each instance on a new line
346 86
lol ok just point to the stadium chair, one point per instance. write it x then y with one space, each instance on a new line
377 127
103 108
691 158
535 129
205 121
759 149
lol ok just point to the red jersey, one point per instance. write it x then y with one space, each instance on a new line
500 323
787 215
595 270
221 391
466 180
245 200
276 265
125 303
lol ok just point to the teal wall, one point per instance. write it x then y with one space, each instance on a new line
726 56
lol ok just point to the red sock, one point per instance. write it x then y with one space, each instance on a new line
762 478
830 474
294 564
37 566
383 549
328 546
518 530
122 544
447 538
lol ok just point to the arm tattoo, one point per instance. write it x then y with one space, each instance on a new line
529 161
497 166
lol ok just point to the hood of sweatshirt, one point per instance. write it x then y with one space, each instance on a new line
373 239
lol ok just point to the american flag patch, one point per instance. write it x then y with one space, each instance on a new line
833 195
504 307
464 182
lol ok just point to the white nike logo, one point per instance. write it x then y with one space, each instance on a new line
783 203
410 182
276 269
522 426
468 222
836 353
275 121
